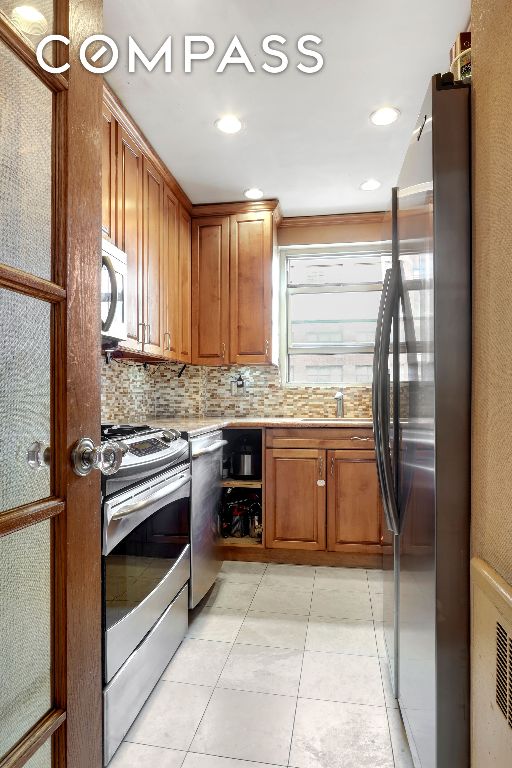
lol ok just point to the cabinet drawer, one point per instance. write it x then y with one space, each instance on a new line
333 438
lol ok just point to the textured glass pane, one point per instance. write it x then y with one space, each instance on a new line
24 396
25 690
331 369
333 318
336 269
25 168
42 758
34 19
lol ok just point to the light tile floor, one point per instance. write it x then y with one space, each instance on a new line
282 666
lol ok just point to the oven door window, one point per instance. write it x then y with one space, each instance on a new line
138 564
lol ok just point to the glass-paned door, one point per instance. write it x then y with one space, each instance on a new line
26 167
41 599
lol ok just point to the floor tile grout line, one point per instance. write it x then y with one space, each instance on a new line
240 759
214 687
300 674
391 739
385 700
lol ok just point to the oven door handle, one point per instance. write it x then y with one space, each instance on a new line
211 448
167 490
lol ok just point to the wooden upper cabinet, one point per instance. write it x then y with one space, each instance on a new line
153 294
129 231
295 499
210 290
170 284
353 502
184 288
251 250
108 174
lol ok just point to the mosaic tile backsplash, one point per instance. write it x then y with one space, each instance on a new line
129 389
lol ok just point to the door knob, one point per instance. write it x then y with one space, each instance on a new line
38 456
106 457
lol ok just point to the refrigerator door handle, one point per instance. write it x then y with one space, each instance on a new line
376 405
383 414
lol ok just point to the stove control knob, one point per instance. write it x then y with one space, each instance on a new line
168 435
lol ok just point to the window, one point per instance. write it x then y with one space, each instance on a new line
330 301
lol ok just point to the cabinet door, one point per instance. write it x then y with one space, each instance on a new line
108 174
129 231
184 288
153 294
210 290
251 288
353 502
170 285
295 499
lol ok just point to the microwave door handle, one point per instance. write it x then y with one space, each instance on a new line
107 262
384 413
211 448
167 490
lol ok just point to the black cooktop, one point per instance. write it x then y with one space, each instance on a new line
109 431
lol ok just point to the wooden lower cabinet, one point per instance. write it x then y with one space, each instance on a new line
321 499
353 501
295 499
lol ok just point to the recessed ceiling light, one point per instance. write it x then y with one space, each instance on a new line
385 115
253 193
229 124
29 20
370 185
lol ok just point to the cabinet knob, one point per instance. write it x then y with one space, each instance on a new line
167 341
267 347
223 350
332 466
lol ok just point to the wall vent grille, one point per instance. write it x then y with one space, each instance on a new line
504 672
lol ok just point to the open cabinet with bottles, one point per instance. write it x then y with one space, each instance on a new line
241 511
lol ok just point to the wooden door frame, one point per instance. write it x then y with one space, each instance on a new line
75 719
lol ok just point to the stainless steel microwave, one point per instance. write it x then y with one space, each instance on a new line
113 292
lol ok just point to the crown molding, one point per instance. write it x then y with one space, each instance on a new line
128 123
336 219
245 206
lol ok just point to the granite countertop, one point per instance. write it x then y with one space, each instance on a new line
201 424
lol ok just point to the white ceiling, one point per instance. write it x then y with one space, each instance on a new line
307 138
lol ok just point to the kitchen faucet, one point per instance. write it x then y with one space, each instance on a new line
340 404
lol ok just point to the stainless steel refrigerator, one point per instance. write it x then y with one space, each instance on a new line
422 403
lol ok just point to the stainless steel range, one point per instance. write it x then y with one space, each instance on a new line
146 568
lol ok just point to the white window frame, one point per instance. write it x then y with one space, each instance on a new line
382 248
